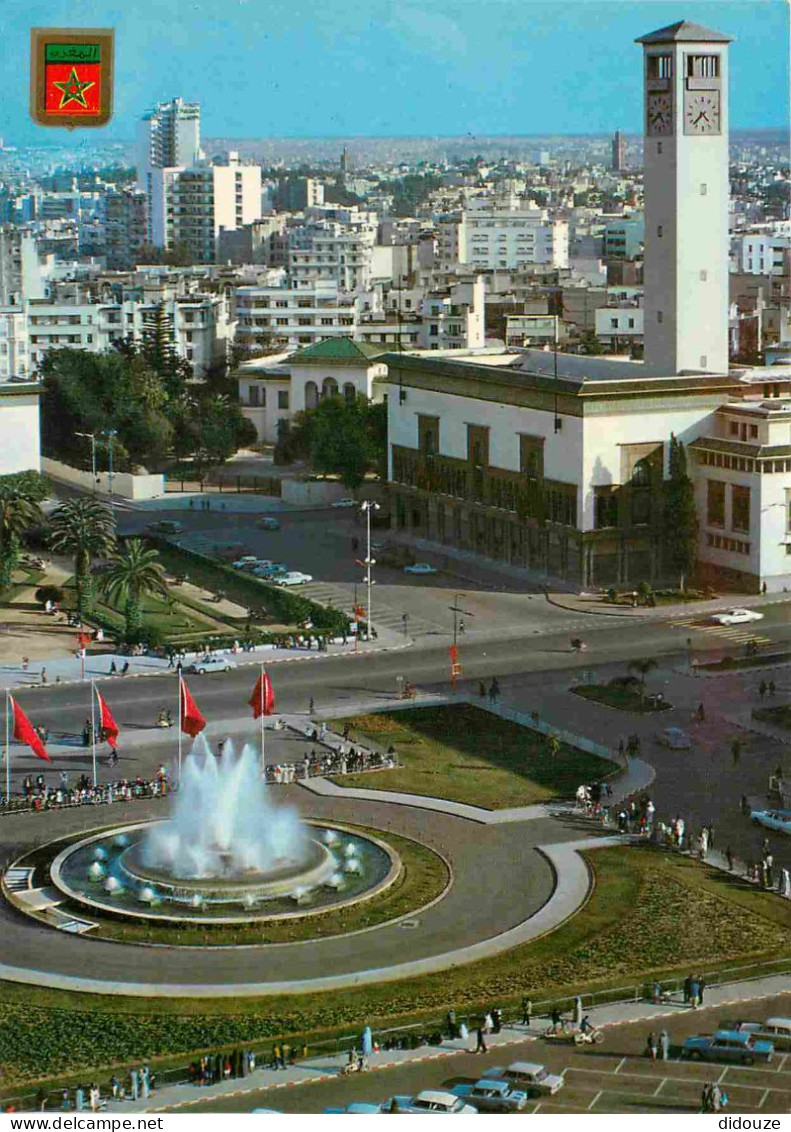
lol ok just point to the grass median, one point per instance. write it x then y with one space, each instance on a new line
465 754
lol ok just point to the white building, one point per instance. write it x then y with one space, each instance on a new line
505 237
293 316
168 137
330 250
20 450
203 200
765 254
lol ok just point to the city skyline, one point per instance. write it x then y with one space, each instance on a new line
430 74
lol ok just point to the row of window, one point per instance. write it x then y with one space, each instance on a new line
742 463
715 505
720 542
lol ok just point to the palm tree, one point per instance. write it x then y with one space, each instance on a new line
131 577
643 665
17 513
83 528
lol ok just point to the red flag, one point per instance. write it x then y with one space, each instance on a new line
107 725
192 722
262 700
25 732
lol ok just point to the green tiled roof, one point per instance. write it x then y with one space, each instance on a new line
342 350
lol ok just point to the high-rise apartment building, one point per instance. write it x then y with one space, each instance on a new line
618 152
169 135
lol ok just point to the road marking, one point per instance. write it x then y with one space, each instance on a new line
593 1102
763 1098
680 1080
660 1086
620 1065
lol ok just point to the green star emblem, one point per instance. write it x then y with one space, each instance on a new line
73 90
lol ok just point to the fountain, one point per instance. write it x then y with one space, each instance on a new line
226 853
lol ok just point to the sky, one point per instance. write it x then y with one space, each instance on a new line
322 68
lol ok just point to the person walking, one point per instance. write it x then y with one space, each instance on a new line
650 1046
488 1024
701 989
494 691
729 858
527 1010
687 989
694 994
664 1045
762 689
481 1046
736 751
43 675
771 687
577 1009
450 1022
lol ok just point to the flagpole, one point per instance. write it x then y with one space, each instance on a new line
263 722
7 749
180 699
93 727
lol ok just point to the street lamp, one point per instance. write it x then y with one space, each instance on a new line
92 437
110 433
458 624
368 506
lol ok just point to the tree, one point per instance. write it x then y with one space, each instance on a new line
133 575
343 438
159 351
82 528
642 665
680 515
17 513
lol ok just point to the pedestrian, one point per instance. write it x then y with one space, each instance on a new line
664 1045
488 1023
716 1097
481 1046
762 689
482 690
650 1046
125 668
701 989
43 675
134 1081
311 706
694 993
771 687
687 989
577 1009
113 668
497 1020
705 1098
527 1010
494 691
729 858
736 751
450 1021
25 663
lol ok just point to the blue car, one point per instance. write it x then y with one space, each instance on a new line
728 1045
362 1108
772 819
492 1096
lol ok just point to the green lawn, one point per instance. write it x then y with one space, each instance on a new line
468 755
622 697
652 915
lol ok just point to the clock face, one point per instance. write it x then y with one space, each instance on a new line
659 113
702 112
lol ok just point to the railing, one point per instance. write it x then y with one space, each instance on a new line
262 485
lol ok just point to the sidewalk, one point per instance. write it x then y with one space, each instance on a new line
72 670
330 1065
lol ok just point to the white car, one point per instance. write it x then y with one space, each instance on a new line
737 616
529 1076
211 664
345 503
421 568
293 578
431 1100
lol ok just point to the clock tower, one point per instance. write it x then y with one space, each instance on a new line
686 199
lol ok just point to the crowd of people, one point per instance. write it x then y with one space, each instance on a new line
38 796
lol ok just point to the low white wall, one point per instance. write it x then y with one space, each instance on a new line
321 492
125 484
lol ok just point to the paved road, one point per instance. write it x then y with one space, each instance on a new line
613 1077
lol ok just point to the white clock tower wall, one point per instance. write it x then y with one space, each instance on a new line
686 200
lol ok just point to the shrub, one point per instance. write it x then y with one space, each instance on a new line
611 594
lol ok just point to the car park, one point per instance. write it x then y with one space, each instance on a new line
292 578
737 616
345 503
211 664
429 1101
248 561
421 568
676 738
268 524
772 819
492 1096
728 1045
774 1030
535 1079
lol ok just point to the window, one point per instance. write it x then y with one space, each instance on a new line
614 323
704 361
704 275
703 66
660 66
631 324
740 508
704 190
659 148
282 398
659 231
605 508
253 395
715 503
734 428
753 430
660 317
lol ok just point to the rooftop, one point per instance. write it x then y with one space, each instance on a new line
685 32
343 350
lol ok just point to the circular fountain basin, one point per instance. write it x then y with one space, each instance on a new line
314 882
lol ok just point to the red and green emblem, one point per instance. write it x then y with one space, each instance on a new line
71 76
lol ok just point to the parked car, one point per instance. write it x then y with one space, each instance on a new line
292 578
774 1030
248 561
737 616
675 738
430 1100
345 503
420 568
728 1045
492 1096
772 819
533 1078
165 527
211 664
357 1108
268 524
271 570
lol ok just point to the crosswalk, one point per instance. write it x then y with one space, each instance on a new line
385 617
739 634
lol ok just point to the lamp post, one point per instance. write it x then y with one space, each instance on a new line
368 506
458 626
92 437
110 433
